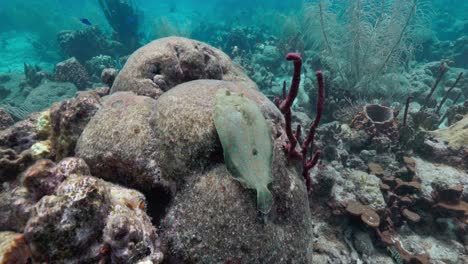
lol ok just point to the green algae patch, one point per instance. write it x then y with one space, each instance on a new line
43 124
41 150
247 143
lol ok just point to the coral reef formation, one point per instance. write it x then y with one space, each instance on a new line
48 93
96 43
68 120
108 76
5 119
119 144
33 74
97 64
164 63
91 210
146 169
197 232
72 71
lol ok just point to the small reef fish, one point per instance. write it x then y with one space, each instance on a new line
86 21
131 20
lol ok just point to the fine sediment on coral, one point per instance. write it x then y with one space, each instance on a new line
178 132
119 144
164 63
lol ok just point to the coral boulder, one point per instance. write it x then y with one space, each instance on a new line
118 143
164 63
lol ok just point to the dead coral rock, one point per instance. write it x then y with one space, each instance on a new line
40 179
382 144
5 119
66 224
375 169
447 145
129 233
214 220
44 176
357 140
376 120
108 76
359 186
324 180
436 177
34 75
118 143
86 214
21 136
329 244
456 112
186 137
439 249
12 163
175 60
72 165
16 207
68 120
13 248
97 64
363 243
72 71
102 91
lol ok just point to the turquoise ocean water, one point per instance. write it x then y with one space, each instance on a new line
384 179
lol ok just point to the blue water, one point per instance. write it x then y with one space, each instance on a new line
436 30
29 27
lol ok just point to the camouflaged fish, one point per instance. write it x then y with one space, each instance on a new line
247 143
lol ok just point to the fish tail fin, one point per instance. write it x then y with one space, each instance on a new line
264 200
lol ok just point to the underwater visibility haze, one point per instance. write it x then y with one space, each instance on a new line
234 131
